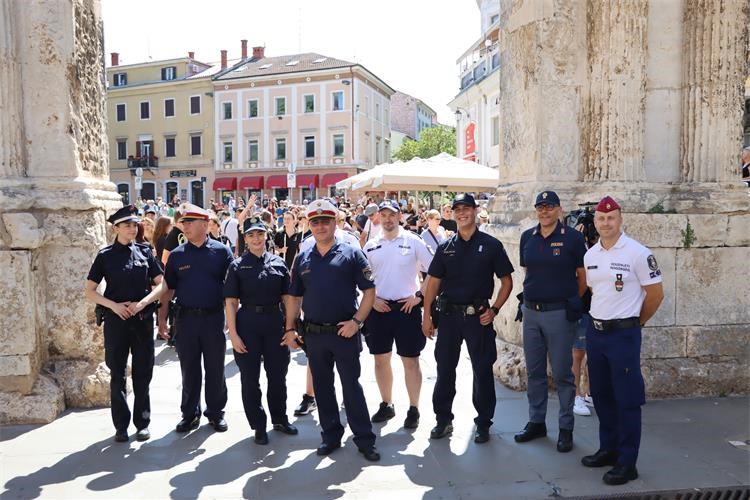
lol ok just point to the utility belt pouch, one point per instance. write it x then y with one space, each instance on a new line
435 311
100 311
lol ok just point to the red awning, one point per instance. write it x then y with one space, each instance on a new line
225 184
332 179
276 181
252 182
307 180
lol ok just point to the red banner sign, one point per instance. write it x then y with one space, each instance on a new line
471 145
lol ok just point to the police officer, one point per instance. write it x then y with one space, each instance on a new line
257 283
626 287
195 276
553 257
462 271
397 256
325 277
129 269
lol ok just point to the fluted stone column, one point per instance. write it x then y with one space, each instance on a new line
54 196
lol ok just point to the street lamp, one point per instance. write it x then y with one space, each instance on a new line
459 112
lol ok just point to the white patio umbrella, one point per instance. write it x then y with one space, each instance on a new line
349 182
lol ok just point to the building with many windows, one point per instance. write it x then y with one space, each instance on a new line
477 105
160 119
292 126
410 115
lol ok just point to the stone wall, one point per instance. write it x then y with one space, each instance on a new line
53 199
641 100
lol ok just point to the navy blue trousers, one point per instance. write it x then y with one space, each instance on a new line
133 336
617 388
480 342
323 351
262 334
202 337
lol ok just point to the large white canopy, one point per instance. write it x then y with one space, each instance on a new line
439 173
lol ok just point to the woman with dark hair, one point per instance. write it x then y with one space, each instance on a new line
163 227
287 239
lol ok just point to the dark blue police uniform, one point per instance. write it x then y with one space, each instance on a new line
328 287
466 270
259 283
129 271
196 274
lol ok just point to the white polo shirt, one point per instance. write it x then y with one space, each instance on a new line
340 235
396 263
616 277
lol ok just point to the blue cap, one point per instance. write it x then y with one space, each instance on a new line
128 213
464 199
254 223
547 198
389 205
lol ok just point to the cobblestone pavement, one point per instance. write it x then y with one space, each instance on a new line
686 443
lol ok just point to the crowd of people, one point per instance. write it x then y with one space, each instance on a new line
329 275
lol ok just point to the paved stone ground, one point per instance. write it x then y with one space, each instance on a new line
686 443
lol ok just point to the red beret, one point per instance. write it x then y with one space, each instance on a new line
607 204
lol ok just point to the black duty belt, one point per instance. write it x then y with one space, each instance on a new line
321 328
465 309
198 311
263 309
544 306
396 305
604 325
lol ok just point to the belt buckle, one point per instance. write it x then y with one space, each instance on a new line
599 325
470 311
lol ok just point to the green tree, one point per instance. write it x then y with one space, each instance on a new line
434 140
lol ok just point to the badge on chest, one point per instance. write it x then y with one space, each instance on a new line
619 284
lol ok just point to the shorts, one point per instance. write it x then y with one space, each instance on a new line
405 329
579 341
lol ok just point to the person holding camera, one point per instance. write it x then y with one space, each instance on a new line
129 269
555 280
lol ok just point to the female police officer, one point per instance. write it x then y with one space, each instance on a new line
129 269
259 281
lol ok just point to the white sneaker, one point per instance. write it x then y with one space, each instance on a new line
580 408
588 400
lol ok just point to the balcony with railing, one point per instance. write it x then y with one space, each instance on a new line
143 162
486 64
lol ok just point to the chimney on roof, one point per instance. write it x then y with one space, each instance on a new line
223 59
244 49
259 52
115 58
191 55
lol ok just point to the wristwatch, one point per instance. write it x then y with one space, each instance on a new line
419 294
495 310
358 322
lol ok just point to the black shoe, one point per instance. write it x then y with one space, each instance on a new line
186 425
412 418
327 448
286 428
441 430
219 424
261 437
384 413
482 435
122 436
600 459
621 474
370 453
532 430
143 434
306 406
565 440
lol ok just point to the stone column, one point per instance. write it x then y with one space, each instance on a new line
53 199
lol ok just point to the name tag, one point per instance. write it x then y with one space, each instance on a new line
184 268
556 244
592 267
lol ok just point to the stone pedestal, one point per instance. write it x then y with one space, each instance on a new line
633 99
54 197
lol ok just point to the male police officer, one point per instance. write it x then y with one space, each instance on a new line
195 275
626 288
553 257
462 270
397 256
325 278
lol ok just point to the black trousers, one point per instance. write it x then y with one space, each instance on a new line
121 338
262 334
202 337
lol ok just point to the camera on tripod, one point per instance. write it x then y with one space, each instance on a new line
584 217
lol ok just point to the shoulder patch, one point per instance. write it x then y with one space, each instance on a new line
652 264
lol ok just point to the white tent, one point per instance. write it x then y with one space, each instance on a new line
439 173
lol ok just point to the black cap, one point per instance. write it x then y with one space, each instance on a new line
389 205
464 199
128 213
254 223
547 198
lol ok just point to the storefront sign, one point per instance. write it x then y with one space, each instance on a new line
469 139
183 173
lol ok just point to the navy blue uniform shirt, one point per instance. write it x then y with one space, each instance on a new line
196 274
466 268
257 281
128 269
328 284
551 263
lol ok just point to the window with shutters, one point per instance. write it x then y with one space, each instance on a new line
195 105
145 110
169 73
168 108
169 147
121 112
122 149
196 145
